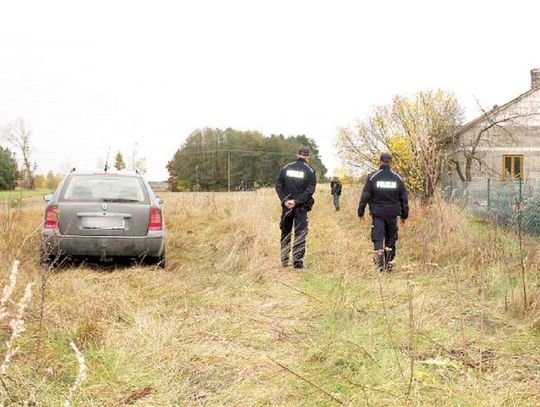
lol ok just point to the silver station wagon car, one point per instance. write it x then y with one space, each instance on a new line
106 215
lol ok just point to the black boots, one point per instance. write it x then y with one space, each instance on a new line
383 260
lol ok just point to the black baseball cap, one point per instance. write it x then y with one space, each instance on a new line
386 157
304 151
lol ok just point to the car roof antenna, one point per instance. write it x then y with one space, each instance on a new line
107 160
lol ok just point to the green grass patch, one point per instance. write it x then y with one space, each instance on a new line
22 194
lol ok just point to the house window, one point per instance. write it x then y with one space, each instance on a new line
512 166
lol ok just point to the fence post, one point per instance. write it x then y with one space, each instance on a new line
489 194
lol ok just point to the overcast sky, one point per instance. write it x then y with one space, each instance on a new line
86 75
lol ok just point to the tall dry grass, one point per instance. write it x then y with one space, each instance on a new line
224 324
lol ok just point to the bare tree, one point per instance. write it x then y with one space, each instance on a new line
17 134
493 128
137 163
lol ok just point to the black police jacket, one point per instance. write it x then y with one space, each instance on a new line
335 187
297 181
386 194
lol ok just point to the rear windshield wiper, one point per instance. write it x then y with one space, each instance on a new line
120 200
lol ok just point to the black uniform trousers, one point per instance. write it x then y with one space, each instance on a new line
297 218
384 234
336 201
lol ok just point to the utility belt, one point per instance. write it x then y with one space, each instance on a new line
384 211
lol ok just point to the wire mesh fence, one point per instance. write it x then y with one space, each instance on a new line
512 203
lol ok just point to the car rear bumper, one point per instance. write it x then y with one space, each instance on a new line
104 246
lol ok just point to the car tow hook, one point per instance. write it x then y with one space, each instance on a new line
104 257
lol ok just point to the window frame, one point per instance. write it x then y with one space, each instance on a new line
512 175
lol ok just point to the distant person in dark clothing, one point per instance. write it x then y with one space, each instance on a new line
335 190
386 194
295 186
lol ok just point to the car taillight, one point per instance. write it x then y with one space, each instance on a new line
51 217
156 220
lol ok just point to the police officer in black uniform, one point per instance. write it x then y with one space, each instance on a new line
295 186
386 194
335 190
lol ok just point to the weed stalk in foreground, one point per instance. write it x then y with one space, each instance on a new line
81 376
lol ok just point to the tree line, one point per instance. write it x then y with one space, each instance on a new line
215 159
11 176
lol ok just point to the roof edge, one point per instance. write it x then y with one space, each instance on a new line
479 119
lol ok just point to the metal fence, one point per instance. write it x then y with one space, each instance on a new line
513 203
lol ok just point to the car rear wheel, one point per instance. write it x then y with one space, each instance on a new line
158 261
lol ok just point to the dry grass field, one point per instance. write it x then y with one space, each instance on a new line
225 325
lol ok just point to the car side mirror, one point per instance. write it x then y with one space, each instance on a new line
159 200
47 197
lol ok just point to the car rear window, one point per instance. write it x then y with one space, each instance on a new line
104 188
